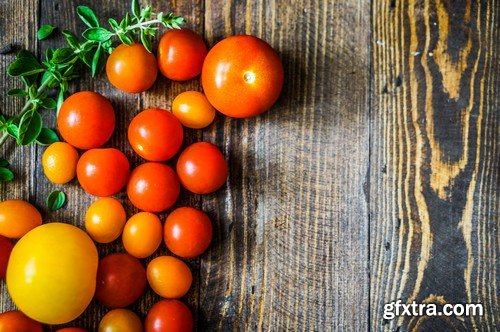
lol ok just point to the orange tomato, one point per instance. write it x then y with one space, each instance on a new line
242 76
86 120
103 172
169 316
105 219
193 109
5 250
120 320
169 277
72 329
59 162
142 234
131 68
17 218
16 321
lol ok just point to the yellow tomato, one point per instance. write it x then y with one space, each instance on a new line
51 275
17 218
120 320
105 219
59 162
193 109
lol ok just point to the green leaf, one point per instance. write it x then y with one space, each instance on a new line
6 174
112 22
60 99
49 104
125 39
4 162
56 200
17 92
87 16
71 38
30 127
136 8
13 130
146 13
25 64
62 55
146 41
97 61
97 34
46 137
45 31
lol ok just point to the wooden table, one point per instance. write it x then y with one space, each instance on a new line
374 178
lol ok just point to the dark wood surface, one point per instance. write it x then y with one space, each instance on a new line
374 178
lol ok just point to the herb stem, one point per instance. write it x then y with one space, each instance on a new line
142 24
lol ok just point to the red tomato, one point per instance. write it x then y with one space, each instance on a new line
153 187
131 68
86 120
72 329
202 168
103 172
16 321
242 76
121 279
187 232
181 54
169 316
5 250
155 134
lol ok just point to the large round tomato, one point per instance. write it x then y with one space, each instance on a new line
16 321
52 270
169 277
120 320
17 218
103 172
202 168
142 234
180 54
169 316
131 68
5 250
153 187
193 109
242 76
155 134
86 120
59 162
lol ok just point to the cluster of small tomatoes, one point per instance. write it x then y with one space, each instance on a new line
54 271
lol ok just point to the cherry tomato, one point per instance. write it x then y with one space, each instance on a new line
121 279
59 162
5 250
120 320
193 109
155 134
242 76
202 168
181 54
103 172
169 277
169 316
131 68
153 187
17 218
187 232
86 120
16 321
72 329
142 234
105 219
52 273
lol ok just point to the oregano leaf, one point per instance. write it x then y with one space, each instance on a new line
56 200
88 17
46 137
97 34
45 31
6 174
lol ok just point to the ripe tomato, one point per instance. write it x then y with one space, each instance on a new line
155 134
142 234
59 162
120 320
180 54
72 329
17 218
169 277
103 172
202 168
52 273
121 279
131 68
16 321
5 250
193 109
86 120
153 187
105 219
187 232
242 76
169 316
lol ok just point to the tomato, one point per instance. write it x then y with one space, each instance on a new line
169 276
59 162
187 232
16 321
120 320
142 234
103 172
72 329
52 273
105 219
5 250
17 218
193 109
153 187
202 168
169 316
180 54
242 76
155 134
86 120
131 68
